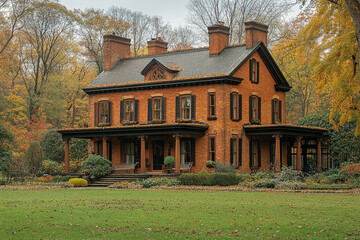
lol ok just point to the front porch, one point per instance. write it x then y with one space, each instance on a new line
141 148
303 148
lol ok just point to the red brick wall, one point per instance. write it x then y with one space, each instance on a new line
223 128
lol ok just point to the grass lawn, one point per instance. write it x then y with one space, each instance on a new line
159 214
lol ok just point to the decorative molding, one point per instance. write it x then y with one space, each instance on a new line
276 97
211 90
103 99
157 95
234 90
128 97
185 93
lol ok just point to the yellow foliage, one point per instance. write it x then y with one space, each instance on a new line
78 182
46 179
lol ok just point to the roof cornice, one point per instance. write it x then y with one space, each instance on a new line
165 84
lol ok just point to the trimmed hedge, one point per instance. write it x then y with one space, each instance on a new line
221 179
78 182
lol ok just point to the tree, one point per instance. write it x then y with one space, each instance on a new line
234 13
52 144
45 47
34 157
94 24
330 37
6 138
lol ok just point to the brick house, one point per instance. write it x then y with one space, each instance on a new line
221 103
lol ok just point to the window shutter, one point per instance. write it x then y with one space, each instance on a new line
273 111
259 108
121 111
251 69
240 152
193 102
250 109
259 153
250 153
96 114
231 106
149 110
280 118
109 105
240 107
136 113
257 72
231 151
163 112
193 150
177 108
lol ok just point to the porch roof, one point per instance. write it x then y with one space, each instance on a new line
135 130
285 129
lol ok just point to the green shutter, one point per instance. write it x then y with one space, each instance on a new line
250 109
177 108
231 106
163 112
96 114
240 152
280 110
136 114
149 110
251 69
240 106
273 111
121 111
259 108
109 105
257 72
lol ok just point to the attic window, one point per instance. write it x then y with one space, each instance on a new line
158 73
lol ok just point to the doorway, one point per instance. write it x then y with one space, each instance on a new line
158 154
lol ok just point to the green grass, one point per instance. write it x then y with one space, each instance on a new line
159 214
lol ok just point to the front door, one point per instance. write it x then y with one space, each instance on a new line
158 154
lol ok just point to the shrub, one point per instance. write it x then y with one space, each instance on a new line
6 138
352 169
96 166
291 185
78 149
210 164
152 182
61 178
34 157
53 146
288 174
46 179
169 161
317 178
49 167
224 168
78 182
125 185
223 179
75 165
269 183
189 179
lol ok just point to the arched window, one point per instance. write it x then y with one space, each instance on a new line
157 73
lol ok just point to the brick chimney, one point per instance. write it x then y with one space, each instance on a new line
218 37
115 48
255 32
157 46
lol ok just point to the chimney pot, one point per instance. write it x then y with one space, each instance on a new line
115 48
218 37
255 32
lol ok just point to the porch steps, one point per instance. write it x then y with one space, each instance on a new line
115 178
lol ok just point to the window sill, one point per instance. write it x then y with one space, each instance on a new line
212 118
254 82
128 123
235 120
104 125
157 122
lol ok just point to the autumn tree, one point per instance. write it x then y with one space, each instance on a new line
234 13
44 48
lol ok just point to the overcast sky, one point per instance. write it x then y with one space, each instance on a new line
172 11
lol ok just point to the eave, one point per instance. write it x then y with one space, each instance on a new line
136 130
285 130
165 84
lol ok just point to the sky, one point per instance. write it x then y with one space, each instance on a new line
172 11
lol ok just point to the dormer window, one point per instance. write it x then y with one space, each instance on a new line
158 73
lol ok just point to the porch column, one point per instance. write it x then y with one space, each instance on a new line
318 155
142 154
105 152
177 154
298 153
277 153
67 155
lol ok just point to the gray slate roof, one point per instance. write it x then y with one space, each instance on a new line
196 62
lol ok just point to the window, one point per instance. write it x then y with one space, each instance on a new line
187 150
211 104
129 111
255 157
102 112
235 106
233 151
276 111
212 154
157 73
254 71
293 153
185 107
255 109
325 158
157 109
